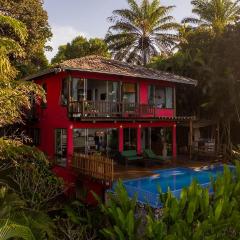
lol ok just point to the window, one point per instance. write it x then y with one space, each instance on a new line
61 146
64 92
129 92
44 104
90 141
169 97
77 92
161 97
151 91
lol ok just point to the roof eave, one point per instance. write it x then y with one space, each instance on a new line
63 68
42 73
193 82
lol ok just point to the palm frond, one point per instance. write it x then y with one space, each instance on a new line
9 230
132 36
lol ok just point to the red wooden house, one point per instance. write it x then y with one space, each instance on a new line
101 105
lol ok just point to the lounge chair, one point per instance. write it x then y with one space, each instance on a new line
130 156
148 153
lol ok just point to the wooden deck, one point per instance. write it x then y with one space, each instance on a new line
131 172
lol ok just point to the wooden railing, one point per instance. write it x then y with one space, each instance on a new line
94 166
78 109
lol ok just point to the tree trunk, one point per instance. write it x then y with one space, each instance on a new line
144 57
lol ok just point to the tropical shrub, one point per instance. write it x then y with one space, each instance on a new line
16 220
77 222
119 211
29 173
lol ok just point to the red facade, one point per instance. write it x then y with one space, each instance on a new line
54 115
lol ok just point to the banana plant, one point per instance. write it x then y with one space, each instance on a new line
120 213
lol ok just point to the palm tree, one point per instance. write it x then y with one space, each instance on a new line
214 14
142 31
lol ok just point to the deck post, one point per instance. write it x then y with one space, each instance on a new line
69 146
174 141
139 139
190 138
120 139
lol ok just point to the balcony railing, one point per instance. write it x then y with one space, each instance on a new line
81 109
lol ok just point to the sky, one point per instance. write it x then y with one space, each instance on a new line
71 18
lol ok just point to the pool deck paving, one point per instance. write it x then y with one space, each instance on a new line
137 171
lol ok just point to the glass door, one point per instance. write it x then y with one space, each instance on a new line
130 138
61 146
146 138
129 96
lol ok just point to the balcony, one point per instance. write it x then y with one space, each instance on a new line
117 110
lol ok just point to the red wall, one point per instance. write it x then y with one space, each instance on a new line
55 115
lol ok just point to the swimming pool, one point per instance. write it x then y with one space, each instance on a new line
175 179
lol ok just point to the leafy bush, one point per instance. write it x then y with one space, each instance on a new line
77 222
30 175
119 211
16 220
196 215
34 189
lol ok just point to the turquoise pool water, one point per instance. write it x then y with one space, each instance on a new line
176 178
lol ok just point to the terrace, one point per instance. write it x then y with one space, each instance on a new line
107 170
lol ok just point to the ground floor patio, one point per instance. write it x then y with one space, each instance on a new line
110 139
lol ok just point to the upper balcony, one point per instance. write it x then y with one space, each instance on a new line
103 99
104 109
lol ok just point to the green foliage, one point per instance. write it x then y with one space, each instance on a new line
196 214
120 214
212 60
16 220
14 95
35 18
214 14
77 222
81 47
141 31
34 188
10 230
30 172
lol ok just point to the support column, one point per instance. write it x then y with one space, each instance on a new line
174 141
190 139
69 146
139 139
120 139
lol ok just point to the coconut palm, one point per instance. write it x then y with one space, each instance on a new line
141 31
214 14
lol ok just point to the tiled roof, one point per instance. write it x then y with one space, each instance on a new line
113 67
99 64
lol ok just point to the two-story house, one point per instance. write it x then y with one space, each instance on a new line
101 105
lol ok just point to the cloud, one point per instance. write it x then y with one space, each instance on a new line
61 36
